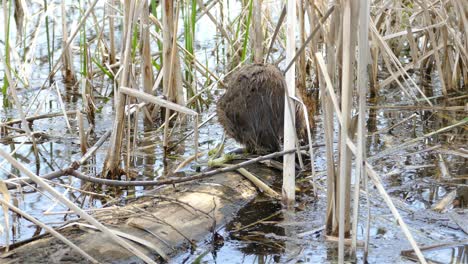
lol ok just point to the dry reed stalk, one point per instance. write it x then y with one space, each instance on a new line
172 80
301 68
6 218
411 142
333 42
145 52
289 185
39 181
259 183
110 8
20 8
157 100
312 7
37 117
345 155
68 72
146 65
128 133
209 5
257 38
362 82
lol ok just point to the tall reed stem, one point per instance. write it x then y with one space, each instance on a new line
289 116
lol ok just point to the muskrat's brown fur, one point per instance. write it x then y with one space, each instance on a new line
252 109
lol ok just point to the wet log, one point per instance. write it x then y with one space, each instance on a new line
164 221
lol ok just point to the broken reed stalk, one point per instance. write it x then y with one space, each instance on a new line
81 133
49 229
68 72
289 119
309 138
39 181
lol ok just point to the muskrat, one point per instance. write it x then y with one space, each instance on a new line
252 109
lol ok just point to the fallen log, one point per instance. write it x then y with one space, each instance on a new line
161 223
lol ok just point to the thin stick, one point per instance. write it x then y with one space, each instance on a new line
95 147
37 117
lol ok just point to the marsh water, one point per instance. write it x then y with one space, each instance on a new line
416 177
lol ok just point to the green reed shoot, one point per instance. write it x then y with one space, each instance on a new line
6 103
189 12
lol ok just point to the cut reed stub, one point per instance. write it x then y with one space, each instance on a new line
252 109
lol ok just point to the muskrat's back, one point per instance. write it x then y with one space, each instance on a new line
252 109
